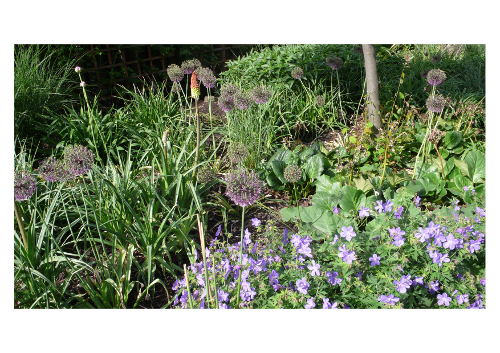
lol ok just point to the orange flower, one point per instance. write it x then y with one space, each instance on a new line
195 86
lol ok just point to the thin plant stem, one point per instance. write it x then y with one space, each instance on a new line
216 296
188 289
241 258
441 159
21 226
202 241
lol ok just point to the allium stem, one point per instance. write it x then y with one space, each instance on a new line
216 295
241 257
441 159
202 242
188 289
20 224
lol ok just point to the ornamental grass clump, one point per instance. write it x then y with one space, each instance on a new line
435 77
78 159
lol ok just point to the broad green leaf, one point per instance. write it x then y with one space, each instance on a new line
351 198
314 166
274 182
462 166
278 167
476 166
327 223
325 183
452 139
362 184
450 164
325 201
307 214
444 153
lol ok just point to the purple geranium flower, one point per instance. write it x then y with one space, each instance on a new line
462 298
417 200
255 222
302 285
375 260
483 281
347 233
444 299
332 278
388 206
364 212
310 303
335 210
349 257
314 268
399 212
327 305
379 207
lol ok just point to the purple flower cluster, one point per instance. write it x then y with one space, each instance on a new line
397 235
24 185
242 99
297 73
346 255
188 66
261 94
334 62
175 73
435 77
383 207
78 159
388 299
243 187
403 284
347 233
302 245
333 278
206 76
53 169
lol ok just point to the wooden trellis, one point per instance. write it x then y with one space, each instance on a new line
135 63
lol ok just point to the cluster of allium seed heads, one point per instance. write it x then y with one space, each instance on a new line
435 136
334 62
175 73
243 99
53 169
297 73
24 185
78 159
319 100
435 77
237 153
261 94
436 104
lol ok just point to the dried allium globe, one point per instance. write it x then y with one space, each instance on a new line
334 62
205 175
358 49
435 58
226 102
176 87
261 94
292 173
436 104
319 100
78 159
175 73
24 185
242 99
243 187
229 90
53 169
435 77
297 73
237 153
188 66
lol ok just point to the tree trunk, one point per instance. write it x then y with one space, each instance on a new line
373 101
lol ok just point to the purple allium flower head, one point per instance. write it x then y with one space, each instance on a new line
435 77
375 260
297 73
364 212
462 298
302 285
54 170
243 99
226 102
188 66
261 94
256 222
243 187
347 233
314 268
292 173
78 159
206 77
175 73
435 103
310 303
444 299
229 90
319 101
24 185
335 210
334 62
